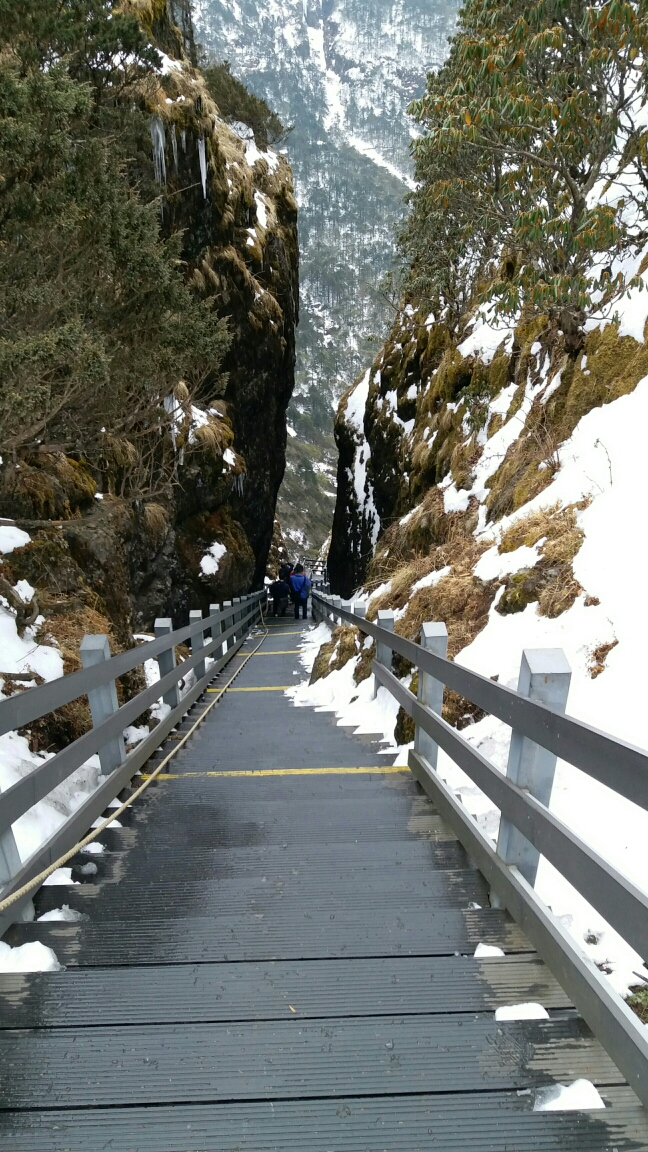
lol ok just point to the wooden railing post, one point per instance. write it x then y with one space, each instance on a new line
336 602
384 651
347 606
167 661
103 701
197 643
359 608
434 637
544 678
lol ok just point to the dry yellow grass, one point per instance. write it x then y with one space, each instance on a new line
559 593
556 525
599 656
69 628
213 437
156 521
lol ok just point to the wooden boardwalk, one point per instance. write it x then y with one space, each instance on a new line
282 961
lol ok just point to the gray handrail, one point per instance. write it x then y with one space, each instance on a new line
621 766
620 1032
26 792
19 710
81 819
622 904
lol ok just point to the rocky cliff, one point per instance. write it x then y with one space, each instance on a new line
342 74
97 545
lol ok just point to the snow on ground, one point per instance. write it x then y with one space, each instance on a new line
482 951
528 1011
60 876
603 459
46 817
485 338
34 957
12 537
65 914
581 1096
25 654
352 703
210 561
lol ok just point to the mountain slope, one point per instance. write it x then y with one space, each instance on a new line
492 459
343 75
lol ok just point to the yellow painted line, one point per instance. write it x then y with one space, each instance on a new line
270 688
389 768
279 652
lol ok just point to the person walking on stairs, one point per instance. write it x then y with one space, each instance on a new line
286 571
280 592
300 585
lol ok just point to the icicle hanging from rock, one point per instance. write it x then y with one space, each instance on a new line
158 142
183 139
174 147
202 156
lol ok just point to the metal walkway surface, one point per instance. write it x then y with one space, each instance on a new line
277 956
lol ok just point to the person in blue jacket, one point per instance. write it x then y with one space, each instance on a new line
300 584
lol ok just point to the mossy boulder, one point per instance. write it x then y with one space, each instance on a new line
232 572
46 486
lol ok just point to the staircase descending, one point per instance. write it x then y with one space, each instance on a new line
276 955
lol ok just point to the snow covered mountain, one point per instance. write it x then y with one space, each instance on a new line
342 72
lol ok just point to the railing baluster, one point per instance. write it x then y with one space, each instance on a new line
10 865
167 661
103 701
544 677
236 601
434 637
359 608
336 602
225 623
197 642
386 620
215 628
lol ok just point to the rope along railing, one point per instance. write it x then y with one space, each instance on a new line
540 733
218 636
